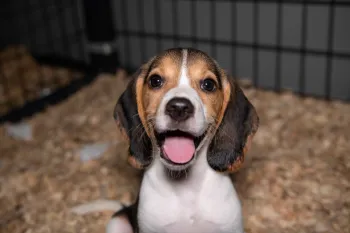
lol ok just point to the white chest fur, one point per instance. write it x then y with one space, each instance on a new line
204 201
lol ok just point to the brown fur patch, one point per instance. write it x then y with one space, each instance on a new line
140 108
226 90
168 67
198 70
134 163
236 165
201 66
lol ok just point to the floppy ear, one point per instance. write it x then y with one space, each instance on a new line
233 136
128 119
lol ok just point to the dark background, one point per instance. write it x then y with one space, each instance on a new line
298 45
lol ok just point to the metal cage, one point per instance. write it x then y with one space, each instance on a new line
303 46
45 51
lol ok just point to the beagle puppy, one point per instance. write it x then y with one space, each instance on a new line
188 125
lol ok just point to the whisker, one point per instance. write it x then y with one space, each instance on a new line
134 115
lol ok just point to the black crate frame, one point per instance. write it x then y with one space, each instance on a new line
329 53
91 62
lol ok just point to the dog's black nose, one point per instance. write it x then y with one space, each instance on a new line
179 109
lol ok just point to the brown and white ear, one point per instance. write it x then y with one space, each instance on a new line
129 120
236 130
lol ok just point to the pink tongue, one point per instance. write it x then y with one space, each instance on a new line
179 149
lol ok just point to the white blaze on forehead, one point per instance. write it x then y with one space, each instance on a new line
184 80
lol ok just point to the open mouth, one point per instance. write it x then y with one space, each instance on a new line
178 147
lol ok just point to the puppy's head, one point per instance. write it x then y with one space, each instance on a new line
179 101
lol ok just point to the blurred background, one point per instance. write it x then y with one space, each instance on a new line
63 65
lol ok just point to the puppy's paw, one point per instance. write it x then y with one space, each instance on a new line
119 224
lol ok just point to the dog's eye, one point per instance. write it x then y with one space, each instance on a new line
155 81
208 85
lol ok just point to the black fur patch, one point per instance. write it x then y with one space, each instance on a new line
126 112
130 213
230 139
